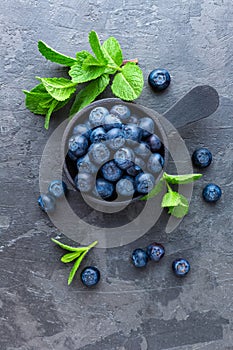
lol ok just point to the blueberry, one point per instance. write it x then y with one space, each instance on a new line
142 150
90 276
115 138
112 121
144 182
104 188
84 182
133 120
57 188
140 162
98 135
47 202
211 193
155 251
82 129
124 158
155 163
132 133
154 142
181 267
85 165
125 186
202 157
139 258
137 167
97 116
99 153
111 172
121 111
147 125
159 79
78 145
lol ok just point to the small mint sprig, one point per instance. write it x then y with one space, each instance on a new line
53 93
77 254
176 203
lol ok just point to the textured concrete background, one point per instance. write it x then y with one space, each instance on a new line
130 310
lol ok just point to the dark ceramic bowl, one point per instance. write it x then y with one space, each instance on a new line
82 116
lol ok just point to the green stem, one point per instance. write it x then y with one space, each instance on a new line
119 69
92 245
168 187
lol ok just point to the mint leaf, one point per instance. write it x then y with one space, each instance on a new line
171 199
67 247
92 61
59 88
75 267
156 190
128 84
96 47
36 98
49 112
89 93
71 256
80 75
181 179
112 51
181 209
55 56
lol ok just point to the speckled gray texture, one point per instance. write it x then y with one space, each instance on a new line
130 309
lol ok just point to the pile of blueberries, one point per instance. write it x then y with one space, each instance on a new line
116 154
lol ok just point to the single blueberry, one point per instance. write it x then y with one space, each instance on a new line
115 138
97 116
104 188
159 79
124 158
98 135
137 167
111 172
154 142
78 145
155 163
90 276
47 202
121 111
57 188
147 125
144 182
112 121
181 267
139 258
132 134
155 251
84 182
202 157
85 165
142 150
99 153
82 129
125 186
211 193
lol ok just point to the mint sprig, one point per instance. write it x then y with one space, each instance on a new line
176 203
94 69
77 254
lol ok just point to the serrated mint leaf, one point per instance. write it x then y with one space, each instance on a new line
70 257
55 56
37 98
181 179
156 190
112 52
75 267
89 93
171 199
59 88
49 112
128 84
92 61
181 209
96 47
80 75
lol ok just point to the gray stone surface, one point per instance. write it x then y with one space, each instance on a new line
129 310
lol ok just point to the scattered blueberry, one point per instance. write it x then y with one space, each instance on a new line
155 251
139 258
142 150
85 165
90 276
99 153
121 111
124 157
154 142
111 172
181 267
202 157
82 129
112 121
57 188
155 163
211 193
104 188
144 182
133 134
159 79
98 135
125 186
115 138
147 125
97 116
78 145
47 202
84 182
